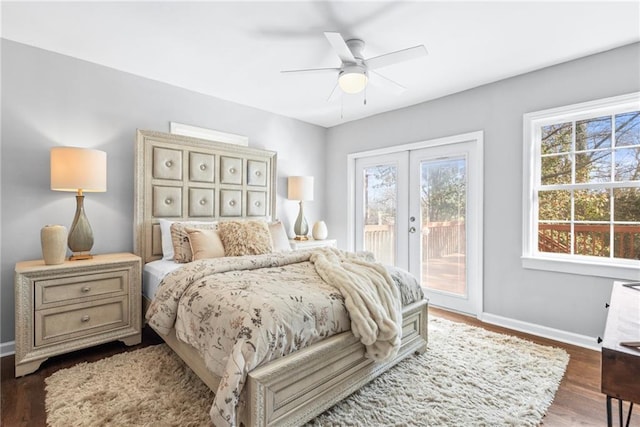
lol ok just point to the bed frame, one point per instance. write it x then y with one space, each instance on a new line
185 178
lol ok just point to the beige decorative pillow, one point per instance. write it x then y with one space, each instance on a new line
245 237
279 238
180 238
205 243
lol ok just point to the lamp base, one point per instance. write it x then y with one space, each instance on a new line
80 255
80 239
300 228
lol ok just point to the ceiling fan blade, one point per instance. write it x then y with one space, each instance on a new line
312 70
334 93
382 82
340 47
396 57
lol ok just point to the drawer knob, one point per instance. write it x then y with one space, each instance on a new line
86 289
85 318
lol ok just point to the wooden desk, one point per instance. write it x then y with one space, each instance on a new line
621 364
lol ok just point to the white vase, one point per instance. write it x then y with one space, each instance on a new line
320 231
53 239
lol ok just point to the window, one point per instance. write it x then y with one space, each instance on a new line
582 188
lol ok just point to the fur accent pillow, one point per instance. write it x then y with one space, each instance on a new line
205 243
245 237
180 238
279 238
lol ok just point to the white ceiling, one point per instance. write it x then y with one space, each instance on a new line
236 50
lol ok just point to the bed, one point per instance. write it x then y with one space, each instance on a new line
187 179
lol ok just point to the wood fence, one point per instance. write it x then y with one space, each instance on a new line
438 239
446 238
591 239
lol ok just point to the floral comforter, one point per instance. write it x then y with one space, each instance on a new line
240 312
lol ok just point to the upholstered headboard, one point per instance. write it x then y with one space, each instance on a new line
183 178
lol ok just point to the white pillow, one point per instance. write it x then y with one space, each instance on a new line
279 238
165 238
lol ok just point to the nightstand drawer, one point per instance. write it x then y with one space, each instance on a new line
77 320
76 288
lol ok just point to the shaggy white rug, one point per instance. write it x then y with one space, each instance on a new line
467 377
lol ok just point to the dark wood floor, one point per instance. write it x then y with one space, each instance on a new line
577 403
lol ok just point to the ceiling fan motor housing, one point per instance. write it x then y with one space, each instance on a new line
356 46
354 69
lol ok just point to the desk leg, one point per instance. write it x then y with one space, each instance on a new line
609 420
629 414
620 412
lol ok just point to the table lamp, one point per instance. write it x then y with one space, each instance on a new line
300 188
81 170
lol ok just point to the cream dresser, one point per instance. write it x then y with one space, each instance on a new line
77 304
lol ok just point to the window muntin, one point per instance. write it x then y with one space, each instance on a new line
584 183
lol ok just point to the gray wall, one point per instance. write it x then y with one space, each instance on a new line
567 302
50 100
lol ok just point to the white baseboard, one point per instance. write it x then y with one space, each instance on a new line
542 331
7 348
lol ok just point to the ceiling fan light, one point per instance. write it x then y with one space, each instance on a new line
352 82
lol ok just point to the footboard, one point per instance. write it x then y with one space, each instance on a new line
295 388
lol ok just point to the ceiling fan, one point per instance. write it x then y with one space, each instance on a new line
355 71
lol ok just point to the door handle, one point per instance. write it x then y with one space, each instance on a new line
412 230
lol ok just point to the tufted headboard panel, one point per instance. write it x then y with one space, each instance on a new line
183 178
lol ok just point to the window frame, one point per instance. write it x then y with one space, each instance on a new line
610 267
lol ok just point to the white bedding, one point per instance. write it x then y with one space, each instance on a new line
153 273
240 312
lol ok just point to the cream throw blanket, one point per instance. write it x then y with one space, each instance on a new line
370 296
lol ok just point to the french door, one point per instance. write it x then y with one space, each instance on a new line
382 205
420 208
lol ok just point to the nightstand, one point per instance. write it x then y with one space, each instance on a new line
311 243
74 305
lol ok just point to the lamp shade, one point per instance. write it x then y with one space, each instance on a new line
300 188
352 81
78 169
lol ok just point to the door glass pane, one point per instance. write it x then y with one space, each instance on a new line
443 186
380 206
